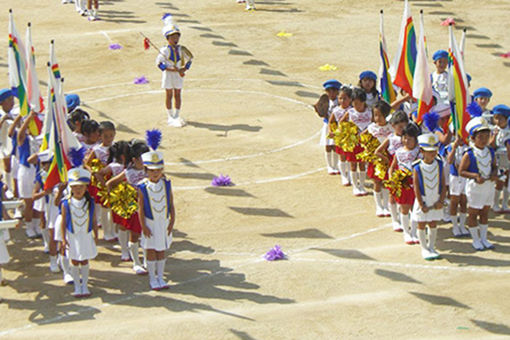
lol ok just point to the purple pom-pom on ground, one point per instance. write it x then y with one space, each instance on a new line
115 47
222 181
141 80
274 254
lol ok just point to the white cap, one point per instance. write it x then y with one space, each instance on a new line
428 142
443 109
45 156
476 124
77 176
170 27
153 160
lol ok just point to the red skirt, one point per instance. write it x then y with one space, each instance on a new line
351 156
93 190
407 196
119 220
133 224
339 150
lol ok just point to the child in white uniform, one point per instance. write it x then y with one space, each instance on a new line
440 76
331 87
457 188
156 212
478 165
4 253
500 141
430 191
79 228
7 115
368 82
174 61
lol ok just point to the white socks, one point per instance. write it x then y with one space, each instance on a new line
345 171
404 222
504 205
46 239
484 228
432 239
462 223
477 244
53 264
84 272
151 268
106 222
455 226
386 199
334 161
379 210
160 267
362 175
496 206
133 251
177 112
75 273
354 181
123 241
327 156
422 236
395 218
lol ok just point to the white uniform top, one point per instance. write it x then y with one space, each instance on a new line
394 143
361 119
52 211
102 152
164 57
440 84
88 147
81 241
380 132
158 225
134 176
459 153
405 158
116 168
5 141
502 138
371 99
483 161
339 112
431 181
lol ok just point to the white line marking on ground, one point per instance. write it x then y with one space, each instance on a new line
260 181
406 265
107 36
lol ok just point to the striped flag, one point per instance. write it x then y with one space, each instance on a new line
404 63
17 66
54 64
385 85
60 139
48 117
458 93
34 98
422 84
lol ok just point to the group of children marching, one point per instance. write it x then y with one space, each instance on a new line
67 215
85 8
423 173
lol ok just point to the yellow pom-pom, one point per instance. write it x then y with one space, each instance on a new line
346 136
399 179
123 200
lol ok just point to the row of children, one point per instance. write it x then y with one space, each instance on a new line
250 4
423 170
87 8
65 214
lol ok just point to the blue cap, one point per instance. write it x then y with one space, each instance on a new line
482 92
368 74
440 54
4 94
501 109
332 83
72 101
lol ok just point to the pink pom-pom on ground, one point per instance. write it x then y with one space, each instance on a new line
448 22
274 254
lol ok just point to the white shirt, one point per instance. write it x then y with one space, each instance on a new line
380 132
361 119
405 158
440 84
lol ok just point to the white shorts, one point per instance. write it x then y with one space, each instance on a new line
433 215
40 205
457 185
14 167
479 195
26 181
172 80
324 136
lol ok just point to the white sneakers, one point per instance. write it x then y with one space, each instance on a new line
174 120
93 14
139 270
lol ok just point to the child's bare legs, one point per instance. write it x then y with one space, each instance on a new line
7 172
133 251
168 98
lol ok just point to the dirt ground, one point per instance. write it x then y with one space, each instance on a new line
247 101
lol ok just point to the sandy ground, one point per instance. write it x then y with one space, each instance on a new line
247 104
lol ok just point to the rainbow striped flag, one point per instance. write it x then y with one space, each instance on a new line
35 100
17 66
385 84
58 134
422 84
404 63
458 92
53 61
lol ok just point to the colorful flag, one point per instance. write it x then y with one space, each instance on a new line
34 98
17 66
385 85
422 84
53 61
48 117
404 63
60 139
458 93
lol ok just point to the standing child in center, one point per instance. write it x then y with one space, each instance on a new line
79 228
368 81
458 199
430 192
174 61
361 115
156 212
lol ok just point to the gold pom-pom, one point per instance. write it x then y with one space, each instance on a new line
123 200
95 166
399 180
346 136
369 144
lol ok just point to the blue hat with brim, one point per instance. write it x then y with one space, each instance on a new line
4 94
72 101
368 74
502 109
332 84
482 92
440 54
